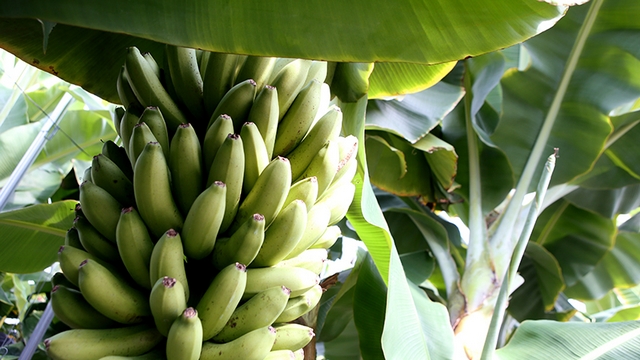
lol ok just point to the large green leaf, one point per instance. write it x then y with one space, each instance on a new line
543 340
369 307
607 203
392 79
31 236
606 76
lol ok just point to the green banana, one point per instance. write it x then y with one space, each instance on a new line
310 259
86 176
257 68
92 344
242 246
203 59
125 93
158 353
149 90
167 259
94 242
317 221
325 129
72 238
221 298
324 166
218 78
129 120
202 223
152 63
280 355
213 139
292 337
184 341
317 71
134 246
152 190
100 208
256 157
119 156
59 279
300 305
73 310
70 258
264 113
228 167
305 190
186 78
298 119
280 63
299 354
298 280
140 137
108 176
108 293
152 116
268 195
328 238
118 113
258 312
348 165
283 235
167 302
236 103
185 164
254 345
338 199
289 82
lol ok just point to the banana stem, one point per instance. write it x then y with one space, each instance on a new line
510 275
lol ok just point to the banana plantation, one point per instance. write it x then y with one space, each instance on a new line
320 180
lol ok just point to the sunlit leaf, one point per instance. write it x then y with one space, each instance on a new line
393 79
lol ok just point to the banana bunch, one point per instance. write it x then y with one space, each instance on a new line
203 233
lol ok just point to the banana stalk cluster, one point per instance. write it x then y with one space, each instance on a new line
202 236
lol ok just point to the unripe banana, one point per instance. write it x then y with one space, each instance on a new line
94 242
72 238
153 64
184 341
152 190
338 199
134 246
152 116
140 137
203 59
221 299
118 155
185 164
167 259
129 120
257 68
311 259
328 238
317 222
283 235
118 113
299 354
186 78
297 280
213 139
298 120
305 190
167 302
108 176
228 167
203 221
264 113
86 176
317 71
280 355
292 337
149 89
289 82
280 64
73 310
254 345
218 78
243 245
268 195
70 259
236 103
125 93
324 166
155 354
59 279
256 157
348 165
100 208
258 312
91 344
326 128
300 305
108 293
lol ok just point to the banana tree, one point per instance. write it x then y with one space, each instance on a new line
420 139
